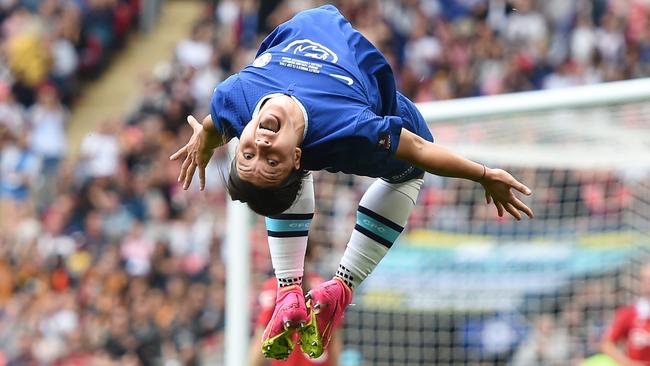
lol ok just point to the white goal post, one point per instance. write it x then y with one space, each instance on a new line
568 123
238 267
533 101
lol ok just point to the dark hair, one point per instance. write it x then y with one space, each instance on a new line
265 201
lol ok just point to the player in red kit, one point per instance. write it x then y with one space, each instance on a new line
631 326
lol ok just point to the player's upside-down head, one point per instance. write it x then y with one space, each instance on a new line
265 172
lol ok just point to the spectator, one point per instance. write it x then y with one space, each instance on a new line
547 345
12 114
25 45
101 151
583 41
136 251
65 61
19 171
527 28
47 120
196 51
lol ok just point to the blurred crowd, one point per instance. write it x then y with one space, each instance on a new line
54 43
464 48
105 260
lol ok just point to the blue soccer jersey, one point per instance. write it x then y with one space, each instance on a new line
346 87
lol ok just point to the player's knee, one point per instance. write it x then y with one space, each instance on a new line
410 188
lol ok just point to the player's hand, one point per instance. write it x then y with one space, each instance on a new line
197 155
498 185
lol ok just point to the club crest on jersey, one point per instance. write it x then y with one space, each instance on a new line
384 141
262 60
309 48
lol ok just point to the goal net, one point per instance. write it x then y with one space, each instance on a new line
464 287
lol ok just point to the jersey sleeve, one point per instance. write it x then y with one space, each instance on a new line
380 134
266 301
621 325
221 108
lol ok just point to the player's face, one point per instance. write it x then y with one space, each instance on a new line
268 148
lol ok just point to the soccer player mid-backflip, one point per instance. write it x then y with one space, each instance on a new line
319 96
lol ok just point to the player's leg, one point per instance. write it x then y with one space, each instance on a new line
381 217
287 243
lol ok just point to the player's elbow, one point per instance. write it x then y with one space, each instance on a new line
411 148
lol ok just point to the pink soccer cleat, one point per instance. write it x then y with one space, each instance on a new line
327 302
290 314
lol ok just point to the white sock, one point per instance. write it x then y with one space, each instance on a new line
288 236
381 217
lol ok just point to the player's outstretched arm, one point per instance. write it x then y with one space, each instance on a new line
198 150
435 159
